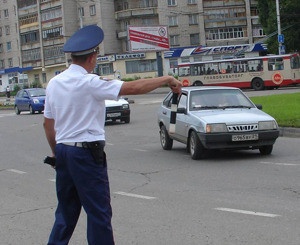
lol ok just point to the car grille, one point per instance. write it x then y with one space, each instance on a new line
113 108
242 128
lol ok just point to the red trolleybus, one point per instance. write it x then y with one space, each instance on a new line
255 72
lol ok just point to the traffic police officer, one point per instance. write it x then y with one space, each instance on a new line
74 119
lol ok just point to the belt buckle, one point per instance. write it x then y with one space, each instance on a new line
85 145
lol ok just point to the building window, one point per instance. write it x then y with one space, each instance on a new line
105 69
81 11
258 32
147 22
7 30
31 55
44 77
8 45
141 66
53 52
28 19
191 1
1 47
172 2
0 31
52 33
51 14
194 38
6 13
174 40
2 64
226 33
10 62
93 10
30 37
36 78
193 19
173 21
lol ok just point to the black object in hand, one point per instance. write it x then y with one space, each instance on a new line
50 161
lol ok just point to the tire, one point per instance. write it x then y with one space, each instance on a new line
195 147
258 84
126 119
31 110
266 149
17 110
197 83
165 140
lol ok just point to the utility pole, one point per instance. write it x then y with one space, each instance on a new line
280 36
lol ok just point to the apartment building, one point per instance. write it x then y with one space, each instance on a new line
35 31
10 58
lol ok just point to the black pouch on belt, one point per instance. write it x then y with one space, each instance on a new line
97 151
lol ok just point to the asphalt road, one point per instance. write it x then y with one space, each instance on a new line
158 197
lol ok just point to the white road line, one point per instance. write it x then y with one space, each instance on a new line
134 195
108 143
16 171
149 102
280 164
140 150
53 180
7 115
247 212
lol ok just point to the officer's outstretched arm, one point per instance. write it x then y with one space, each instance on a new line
143 86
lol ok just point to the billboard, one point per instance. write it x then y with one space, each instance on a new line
148 38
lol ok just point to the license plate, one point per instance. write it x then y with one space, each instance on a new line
244 137
117 114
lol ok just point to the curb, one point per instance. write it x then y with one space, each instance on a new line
289 132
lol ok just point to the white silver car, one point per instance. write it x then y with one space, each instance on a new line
217 118
117 110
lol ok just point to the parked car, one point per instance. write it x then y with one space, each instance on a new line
31 99
210 118
117 110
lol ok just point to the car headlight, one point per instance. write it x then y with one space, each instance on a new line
267 125
35 101
216 128
125 106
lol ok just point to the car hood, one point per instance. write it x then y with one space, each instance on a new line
40 98
119 102
232 116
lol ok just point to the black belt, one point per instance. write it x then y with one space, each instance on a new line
100 143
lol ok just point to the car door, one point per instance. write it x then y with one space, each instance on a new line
181 118
21 101
25 100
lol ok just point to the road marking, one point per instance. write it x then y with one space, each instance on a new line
149 102
281 164
140 150
108 143
16 171
53 180
134 195
7 115
247 212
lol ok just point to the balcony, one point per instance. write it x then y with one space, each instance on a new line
138 12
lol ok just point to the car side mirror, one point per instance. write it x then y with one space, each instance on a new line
26 96
181 110
259 107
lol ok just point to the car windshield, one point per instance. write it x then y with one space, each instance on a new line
37 92
218 99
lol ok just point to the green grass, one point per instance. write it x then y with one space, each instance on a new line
285 108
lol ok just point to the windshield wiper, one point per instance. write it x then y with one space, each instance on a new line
238 106
206 107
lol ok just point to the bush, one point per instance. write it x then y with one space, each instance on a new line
17 88
36 84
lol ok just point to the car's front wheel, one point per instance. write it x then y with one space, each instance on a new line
266 149
126 119
165 140
17 110
195 147
31 110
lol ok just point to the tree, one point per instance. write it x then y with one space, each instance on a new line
289 18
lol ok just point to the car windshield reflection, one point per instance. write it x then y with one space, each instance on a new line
218 99
37 92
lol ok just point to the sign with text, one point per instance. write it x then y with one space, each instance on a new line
148 38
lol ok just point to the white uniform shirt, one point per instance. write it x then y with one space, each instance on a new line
75 99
